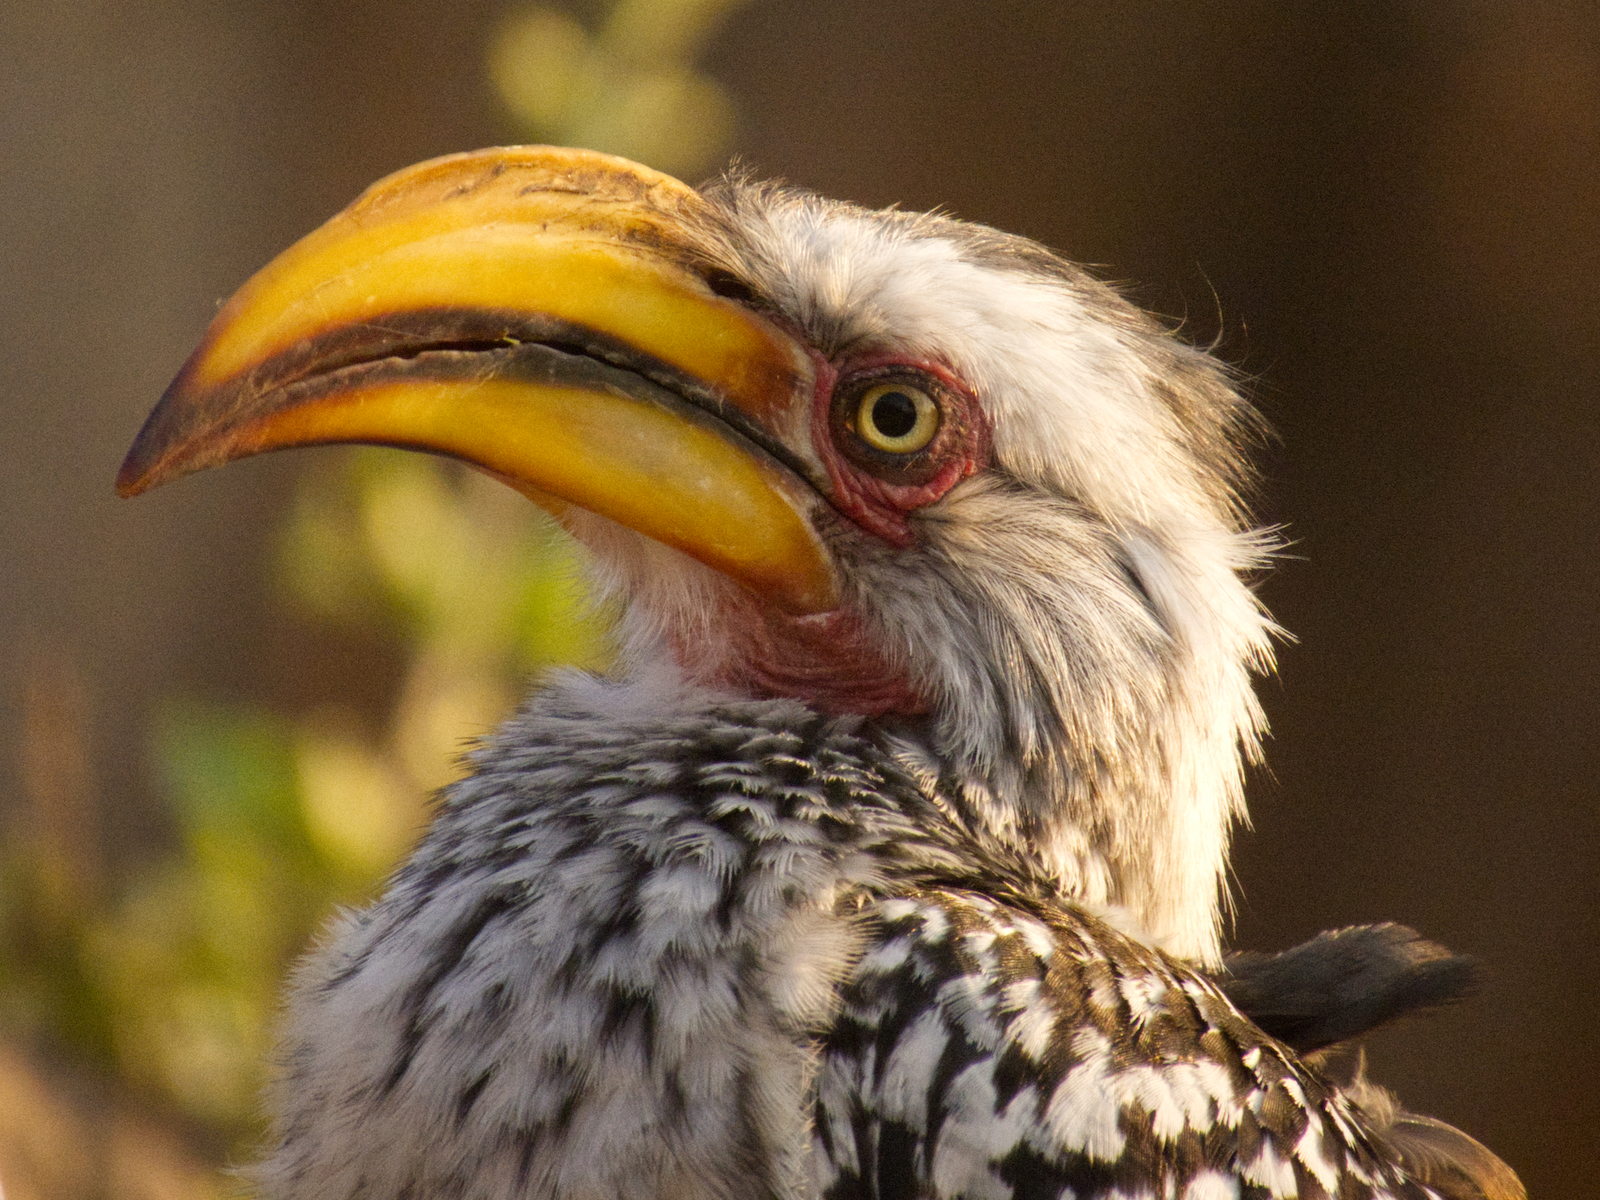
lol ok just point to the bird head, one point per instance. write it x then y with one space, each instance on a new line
887 464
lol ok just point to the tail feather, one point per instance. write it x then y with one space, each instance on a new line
1319 995
1454 1164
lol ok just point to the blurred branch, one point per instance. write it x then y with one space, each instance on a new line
59 818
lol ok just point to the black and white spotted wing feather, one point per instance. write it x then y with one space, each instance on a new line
694 947
987 1051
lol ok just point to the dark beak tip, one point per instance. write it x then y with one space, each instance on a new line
131 479
138 472
156 454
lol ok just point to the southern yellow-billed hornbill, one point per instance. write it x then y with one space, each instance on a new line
890 865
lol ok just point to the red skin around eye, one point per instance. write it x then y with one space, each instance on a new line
878 506
830 660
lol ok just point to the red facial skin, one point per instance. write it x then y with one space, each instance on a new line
875 504
829 661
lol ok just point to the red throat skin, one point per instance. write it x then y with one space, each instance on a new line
827 661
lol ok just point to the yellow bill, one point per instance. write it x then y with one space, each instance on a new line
543 314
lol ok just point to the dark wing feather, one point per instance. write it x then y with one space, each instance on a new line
1346 982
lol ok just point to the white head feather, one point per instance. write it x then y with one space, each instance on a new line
1078 612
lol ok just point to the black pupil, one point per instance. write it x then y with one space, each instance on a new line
894 414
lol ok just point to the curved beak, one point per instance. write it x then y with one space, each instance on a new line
545 315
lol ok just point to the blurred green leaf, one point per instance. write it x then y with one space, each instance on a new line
227 768
630 87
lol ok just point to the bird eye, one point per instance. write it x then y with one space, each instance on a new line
896 418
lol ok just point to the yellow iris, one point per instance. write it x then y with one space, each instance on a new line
896 418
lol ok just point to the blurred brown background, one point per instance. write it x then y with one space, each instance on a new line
1388 211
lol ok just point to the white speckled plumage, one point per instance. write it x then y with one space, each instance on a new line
734 949
672 938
